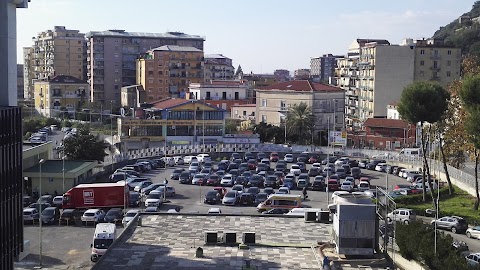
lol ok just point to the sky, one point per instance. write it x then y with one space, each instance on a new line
259 35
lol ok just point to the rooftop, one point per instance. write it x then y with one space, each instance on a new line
56 166
302 86
215 56
245 105
388 123
175 48
123 33
64 79
169 103
170 241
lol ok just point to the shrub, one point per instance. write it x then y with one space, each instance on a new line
418 198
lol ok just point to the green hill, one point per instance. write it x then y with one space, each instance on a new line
465 35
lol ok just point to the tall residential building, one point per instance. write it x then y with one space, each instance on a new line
218 67
11 180
435 61
20 81
282 75
167 71
323 68
60 94
28 70
55 52
302 74
111 57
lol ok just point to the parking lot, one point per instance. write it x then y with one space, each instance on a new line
65 247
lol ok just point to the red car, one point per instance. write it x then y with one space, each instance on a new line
274 157
312 159
333 185
213 180
252 164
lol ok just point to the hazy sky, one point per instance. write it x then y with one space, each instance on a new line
260 35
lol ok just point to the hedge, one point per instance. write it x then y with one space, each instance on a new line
418 198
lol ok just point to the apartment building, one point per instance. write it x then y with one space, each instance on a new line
112 55
222 94
133 96
282 75
20 81
167 71
301 74
60 93
435 61
323 68
245 114
327 103
218 67
54 52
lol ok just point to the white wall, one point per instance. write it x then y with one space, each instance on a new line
217 92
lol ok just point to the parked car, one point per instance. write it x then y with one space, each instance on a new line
238 188
198 179
402 215
274 157
231 198
295 169
363 186
57 201
246 199
347 186
473 232
214 211
26 200
260 197
46 199
341 173
473 260
227 180
114 215
271 181
154 198
134 199
93 215
70 215
212 197
318 183
314 171
455 224
185 178
283 190
276 211
373 164
142 185
175 175
129 216
269 191
252 190
39 206
169 191
288 158
30 214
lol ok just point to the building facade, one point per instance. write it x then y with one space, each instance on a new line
385 134
435 61
60 94
173 121
133 96
302 74
167 71
218 67
222 94
20 81
245 114
55 52
282 75
323 68
11 180
327 103
112 55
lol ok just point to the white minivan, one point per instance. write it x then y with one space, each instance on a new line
104 236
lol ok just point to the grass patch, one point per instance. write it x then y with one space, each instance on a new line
459 204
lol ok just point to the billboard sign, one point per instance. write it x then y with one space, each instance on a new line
337 138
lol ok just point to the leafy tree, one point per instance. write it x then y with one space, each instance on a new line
231 126
300 122
469 95
423 102
85 146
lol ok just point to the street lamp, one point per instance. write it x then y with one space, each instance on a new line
40 162
166 136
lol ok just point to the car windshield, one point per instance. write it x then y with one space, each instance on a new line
89 214
48 212
102 243
131 214
230 194
177 171
212 193
261 196
154 196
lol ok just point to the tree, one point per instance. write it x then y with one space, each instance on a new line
231 126
300 122
468 93
423 102
85 146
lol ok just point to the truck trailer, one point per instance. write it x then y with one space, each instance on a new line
101 195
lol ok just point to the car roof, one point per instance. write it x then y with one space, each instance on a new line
92 210
29 209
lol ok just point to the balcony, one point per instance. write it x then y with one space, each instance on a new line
435 56
436 68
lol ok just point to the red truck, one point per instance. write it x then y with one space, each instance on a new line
101 195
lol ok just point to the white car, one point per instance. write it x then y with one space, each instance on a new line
194 166
30 214
154 198
347 186
178 160
341 161
189 159
381 167
227 180
317 165
93 215
58 201
129 216
288 158
203 157
363 186
283 190
213 211
231 198
198 178
473 232
295 169
473 259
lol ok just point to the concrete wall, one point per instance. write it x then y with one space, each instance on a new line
8 50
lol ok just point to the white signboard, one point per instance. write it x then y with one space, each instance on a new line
338 138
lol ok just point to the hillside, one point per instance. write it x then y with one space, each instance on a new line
465 35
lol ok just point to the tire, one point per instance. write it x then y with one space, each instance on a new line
453 229
406 222
469 235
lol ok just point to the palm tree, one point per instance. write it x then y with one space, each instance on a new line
300 122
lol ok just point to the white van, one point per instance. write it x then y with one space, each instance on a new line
104 236
411 152
284 201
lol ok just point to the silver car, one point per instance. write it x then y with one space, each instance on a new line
231 198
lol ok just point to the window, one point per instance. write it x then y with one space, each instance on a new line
244 113
422 63
283 105
264 118
236 112
449 52
264 104
117 86
448 73
237 96
422 73
422 51
449 63
150 73
224 95
435 64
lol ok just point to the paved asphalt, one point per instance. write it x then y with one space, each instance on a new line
70 246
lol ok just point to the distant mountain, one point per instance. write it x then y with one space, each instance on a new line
464 32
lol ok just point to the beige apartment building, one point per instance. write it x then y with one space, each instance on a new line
54 52
60 93
167 71
112 55
218 67
435 61
327 103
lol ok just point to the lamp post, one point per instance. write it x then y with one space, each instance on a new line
63 173
40 162
203 121
166 137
